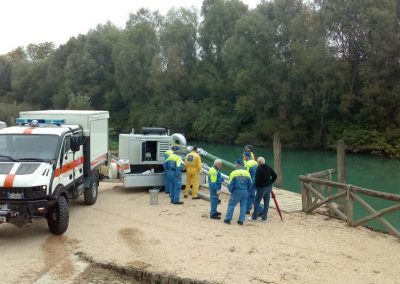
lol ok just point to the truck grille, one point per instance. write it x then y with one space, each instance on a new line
21 193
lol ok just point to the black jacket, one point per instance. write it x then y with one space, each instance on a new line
265 176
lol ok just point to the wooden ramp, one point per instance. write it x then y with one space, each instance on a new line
288 201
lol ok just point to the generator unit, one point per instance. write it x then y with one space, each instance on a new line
141 157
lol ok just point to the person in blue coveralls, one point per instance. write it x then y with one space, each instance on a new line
239 186
251 166
248 149
168 174
175 164
214 182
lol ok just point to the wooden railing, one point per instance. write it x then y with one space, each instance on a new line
317 190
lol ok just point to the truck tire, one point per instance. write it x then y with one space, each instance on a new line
90 194
58 216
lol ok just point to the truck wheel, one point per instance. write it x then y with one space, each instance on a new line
90 194
58 217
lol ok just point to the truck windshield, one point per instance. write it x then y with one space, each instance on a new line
29 147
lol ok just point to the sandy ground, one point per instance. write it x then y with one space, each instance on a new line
181 240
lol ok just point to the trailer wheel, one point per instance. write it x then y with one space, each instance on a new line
58 216
90 194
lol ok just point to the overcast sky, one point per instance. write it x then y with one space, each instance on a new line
35 21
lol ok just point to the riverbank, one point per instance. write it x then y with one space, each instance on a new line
124 230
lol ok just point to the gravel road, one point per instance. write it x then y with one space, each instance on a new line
123 229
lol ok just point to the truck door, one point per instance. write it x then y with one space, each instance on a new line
67 162
78 158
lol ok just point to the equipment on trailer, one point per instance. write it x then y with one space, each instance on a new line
141 157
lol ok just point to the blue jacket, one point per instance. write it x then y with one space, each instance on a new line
239 180
174 164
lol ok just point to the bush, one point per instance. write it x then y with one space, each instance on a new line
9 111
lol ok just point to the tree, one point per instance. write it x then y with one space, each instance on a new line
39 51
79 101
17 54
218 25
5 76
316 71
133 57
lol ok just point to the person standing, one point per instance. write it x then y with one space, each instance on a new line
214 182
250 166
253 156
193 168
176 166
248 150
265 177
239 185
168 174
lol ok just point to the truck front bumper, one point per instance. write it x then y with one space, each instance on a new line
22 211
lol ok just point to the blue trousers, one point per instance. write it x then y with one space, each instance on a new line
169 181
213 201
251 198
265 194
176 192
237 196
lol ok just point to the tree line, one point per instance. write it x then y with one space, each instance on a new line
314 71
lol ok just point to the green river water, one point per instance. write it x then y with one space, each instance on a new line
378 173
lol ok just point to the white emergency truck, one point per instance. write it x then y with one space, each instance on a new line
50 158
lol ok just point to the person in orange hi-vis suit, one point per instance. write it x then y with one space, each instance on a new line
193 169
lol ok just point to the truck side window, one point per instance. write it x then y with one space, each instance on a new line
67 144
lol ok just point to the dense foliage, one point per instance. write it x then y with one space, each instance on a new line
314 71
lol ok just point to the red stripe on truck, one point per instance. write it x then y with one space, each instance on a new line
9 181
68 167
28 131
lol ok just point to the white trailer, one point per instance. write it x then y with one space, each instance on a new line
49 158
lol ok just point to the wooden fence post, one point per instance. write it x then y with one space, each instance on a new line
303 196
341 161
341 164
349 205
309 194
278 160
